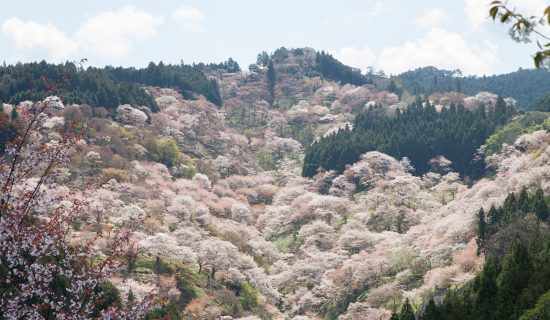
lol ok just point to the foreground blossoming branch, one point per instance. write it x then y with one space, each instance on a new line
46 272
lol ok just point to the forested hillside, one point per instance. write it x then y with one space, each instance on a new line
525 85
418 133
334 70
107 87
215 208
514 282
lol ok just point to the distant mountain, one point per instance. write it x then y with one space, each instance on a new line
525 85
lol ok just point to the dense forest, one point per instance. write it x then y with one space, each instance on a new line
419 133
542 104
515 280
189 80
107 87
334 70
525 85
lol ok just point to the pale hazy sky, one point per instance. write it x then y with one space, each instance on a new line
391 35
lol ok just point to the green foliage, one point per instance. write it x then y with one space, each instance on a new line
334 70
418 133
528 123
186 281
110 296
189 80
543 103
514 285
481 231
262 59
392 87
165 150
131 298
168 311
513 211
431 312
93 86
525 85
541 311
230 65
407 312
107 87
248 296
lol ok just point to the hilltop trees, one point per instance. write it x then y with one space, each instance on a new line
333 69
107 87
262 59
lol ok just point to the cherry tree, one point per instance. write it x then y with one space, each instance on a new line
44 273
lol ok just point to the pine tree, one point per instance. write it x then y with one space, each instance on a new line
131 298
539 206
523 200
516 273
481 231
431 312
407 312
493 215
487 296
271 78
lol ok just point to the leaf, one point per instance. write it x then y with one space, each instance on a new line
538 59
493 12
547 14
505 17
495 2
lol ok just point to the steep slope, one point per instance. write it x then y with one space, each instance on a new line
230 228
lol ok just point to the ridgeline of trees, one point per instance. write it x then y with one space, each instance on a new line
107 87
515 281
93 86
189 80
334 70
418 133
525 85
230 65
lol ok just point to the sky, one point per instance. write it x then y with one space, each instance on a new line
390 35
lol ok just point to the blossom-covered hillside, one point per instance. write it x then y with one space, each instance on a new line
229 228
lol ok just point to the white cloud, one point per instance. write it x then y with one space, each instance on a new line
430 18
190 18
111 34
356 57
477 11
36 41
442 49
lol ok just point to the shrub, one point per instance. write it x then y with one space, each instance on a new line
248 296
113 173
165 150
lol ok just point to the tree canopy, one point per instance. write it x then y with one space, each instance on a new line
419 133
